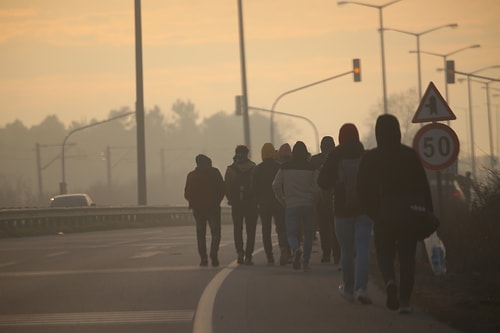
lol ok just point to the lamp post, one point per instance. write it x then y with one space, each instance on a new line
381 29
469 75
244 93
273 107
445 58
417 35
63 186
141 132
488 107
497 125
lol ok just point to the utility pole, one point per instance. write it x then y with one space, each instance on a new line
244 101
39 172
108 167
139 110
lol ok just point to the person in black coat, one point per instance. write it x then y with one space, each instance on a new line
324 209
269 206
204 191
387 175
352 225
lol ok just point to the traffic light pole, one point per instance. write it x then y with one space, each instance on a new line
295 116
273 107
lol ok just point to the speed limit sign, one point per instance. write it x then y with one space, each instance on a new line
437 145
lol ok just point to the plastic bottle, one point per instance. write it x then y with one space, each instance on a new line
438 260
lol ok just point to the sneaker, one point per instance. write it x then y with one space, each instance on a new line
248 261
204 263
347 296
270 261
297 258
362 297
215 262
306 267
392 301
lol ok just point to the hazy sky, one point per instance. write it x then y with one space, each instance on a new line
76 59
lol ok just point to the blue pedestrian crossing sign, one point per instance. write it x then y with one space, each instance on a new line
433 107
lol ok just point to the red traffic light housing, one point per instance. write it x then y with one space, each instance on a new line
450 71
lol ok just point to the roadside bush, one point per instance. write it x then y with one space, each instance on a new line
486 217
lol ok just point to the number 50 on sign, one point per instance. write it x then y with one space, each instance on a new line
437 145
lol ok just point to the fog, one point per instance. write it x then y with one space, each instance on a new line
101 160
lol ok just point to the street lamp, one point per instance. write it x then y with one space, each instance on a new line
498 125
417 35
63 186
488 107
472 152
244 91
445 56
381 29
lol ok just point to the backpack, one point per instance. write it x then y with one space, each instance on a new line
240 186
347 181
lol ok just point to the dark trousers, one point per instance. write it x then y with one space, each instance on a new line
244 214
213 218
267 212
325 220
388 242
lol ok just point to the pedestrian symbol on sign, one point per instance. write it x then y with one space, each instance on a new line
433 107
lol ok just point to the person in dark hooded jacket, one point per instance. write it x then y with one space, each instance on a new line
204 191
241 198
269 206
387 174
353 227
324 208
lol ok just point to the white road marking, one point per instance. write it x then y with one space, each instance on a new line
55 254
5 264
93 318
204 311
103 271
145 254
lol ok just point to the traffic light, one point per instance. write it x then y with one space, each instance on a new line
450 71
356 69
239 106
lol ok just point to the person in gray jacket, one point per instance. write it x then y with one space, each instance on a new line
295 187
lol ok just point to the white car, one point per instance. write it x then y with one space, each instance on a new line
72 200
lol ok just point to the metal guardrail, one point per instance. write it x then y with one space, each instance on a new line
36 221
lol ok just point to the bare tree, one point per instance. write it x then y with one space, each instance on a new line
403 106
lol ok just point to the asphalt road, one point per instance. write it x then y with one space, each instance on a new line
149 280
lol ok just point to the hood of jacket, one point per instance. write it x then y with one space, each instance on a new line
203 161
348 132
299 152
387 131
268 151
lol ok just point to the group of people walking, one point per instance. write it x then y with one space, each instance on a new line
348 193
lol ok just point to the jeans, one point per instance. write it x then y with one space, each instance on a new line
214 222
244 213
388 241
267 212
354 235
294 217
